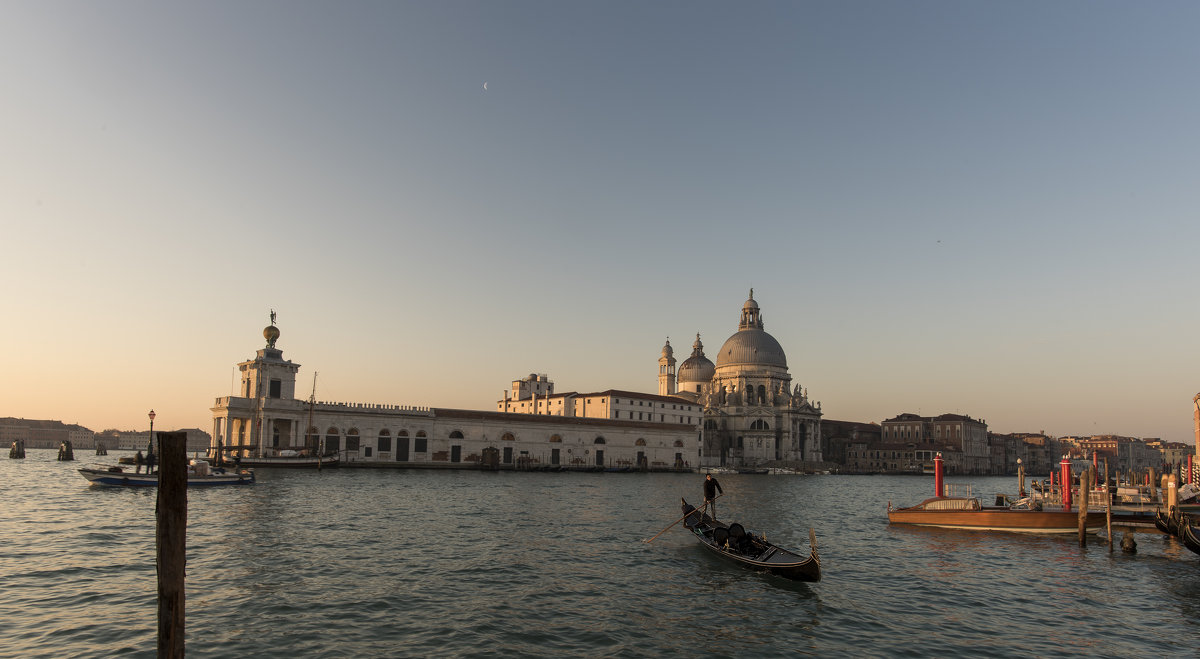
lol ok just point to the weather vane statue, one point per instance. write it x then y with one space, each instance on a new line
272 316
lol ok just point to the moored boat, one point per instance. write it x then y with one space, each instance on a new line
1189 534
288 461
118 477
968 512
732 542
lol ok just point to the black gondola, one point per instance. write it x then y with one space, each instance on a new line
1166 523
733 542
1189 534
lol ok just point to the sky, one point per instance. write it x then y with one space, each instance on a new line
983 208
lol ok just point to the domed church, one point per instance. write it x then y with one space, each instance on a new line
752 414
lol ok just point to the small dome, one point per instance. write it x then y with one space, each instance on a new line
697 368
668 351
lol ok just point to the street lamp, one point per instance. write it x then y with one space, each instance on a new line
150 444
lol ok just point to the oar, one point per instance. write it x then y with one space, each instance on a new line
701 511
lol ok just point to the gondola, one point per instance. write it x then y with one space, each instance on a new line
1189 534
733 542
1165 522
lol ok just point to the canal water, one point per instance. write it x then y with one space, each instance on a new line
378 563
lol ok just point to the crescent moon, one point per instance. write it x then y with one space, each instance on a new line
485 86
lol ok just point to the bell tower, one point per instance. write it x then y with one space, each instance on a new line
666 370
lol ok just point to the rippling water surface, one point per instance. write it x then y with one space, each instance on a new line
358 563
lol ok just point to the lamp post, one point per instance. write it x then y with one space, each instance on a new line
150 444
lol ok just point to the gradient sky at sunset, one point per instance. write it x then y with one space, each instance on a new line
987 208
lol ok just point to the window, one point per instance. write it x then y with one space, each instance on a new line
508 437
598 440
276 388
640 442
555 439
385 441
420 444
456 435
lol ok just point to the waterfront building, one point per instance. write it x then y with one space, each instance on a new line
266 419
837 436
966 434
901 457
36 433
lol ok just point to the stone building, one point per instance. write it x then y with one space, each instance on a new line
266 418
962 432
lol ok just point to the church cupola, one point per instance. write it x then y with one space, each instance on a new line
751 317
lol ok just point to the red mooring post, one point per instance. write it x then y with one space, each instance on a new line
1189 474
1064 469
939 476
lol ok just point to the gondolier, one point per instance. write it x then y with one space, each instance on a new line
711 487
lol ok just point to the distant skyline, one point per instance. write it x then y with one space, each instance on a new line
978 208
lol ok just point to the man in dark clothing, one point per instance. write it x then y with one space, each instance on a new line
137 460
711 487
151 460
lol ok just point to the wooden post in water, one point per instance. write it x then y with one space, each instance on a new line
1107 508
1085 486
171 514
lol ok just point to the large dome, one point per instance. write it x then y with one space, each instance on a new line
751 345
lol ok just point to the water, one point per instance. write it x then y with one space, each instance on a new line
378 563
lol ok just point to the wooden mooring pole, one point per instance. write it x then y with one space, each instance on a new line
171 541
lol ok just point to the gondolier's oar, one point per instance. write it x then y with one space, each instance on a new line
701 509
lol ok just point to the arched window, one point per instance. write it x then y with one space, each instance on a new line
332 443
555 439
679 443
456 435
640 442
599 440
242 434
759 424
762 395
385 440
352 439
508 437
402 433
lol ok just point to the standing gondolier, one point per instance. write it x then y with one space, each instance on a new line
711 487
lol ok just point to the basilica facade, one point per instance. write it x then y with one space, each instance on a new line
752 414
